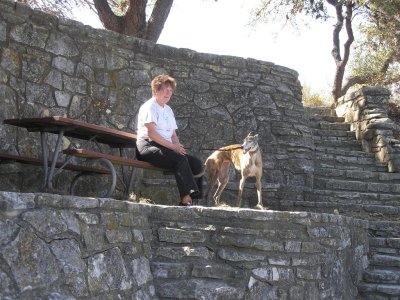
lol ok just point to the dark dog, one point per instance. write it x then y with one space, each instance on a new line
246 158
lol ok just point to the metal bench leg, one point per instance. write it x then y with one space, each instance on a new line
44 157
73 183
129 186
54 160
113 175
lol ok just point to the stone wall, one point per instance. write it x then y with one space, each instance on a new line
367 112
64 247
51 66
54 247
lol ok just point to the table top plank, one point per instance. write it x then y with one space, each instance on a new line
76 129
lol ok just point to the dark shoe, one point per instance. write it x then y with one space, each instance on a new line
195 202
194 194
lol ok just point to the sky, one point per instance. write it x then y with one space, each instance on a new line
222 27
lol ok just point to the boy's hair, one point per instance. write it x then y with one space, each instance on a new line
161 80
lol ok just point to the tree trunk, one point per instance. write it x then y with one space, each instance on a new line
134 23
157 19
338 90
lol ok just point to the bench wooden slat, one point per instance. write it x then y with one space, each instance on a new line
118 160
38 162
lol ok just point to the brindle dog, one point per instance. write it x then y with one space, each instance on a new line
246 158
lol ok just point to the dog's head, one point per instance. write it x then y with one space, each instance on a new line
250 143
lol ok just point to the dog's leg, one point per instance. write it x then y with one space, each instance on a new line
241 186
223 178
212 180
259 193
211 169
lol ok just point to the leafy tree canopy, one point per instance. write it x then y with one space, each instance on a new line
376 58
377 53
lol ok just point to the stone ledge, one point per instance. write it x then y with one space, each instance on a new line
105 247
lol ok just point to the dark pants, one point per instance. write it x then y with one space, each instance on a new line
183 167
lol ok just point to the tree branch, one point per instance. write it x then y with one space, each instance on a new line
349 31
337 89
157 19
135 19
336 31
340 89
350 82
107 17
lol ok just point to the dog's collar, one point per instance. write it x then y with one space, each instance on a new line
253 149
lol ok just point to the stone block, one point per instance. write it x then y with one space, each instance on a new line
107 271
179 236
171 270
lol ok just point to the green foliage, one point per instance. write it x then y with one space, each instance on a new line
377 52
369 64
283 10
394 113
315 99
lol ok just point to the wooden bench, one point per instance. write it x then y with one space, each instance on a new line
114 160
5 156
81 169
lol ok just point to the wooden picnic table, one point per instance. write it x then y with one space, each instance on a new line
63 126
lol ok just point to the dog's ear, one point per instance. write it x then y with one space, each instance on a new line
252 134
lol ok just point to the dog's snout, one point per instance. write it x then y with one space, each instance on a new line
245 148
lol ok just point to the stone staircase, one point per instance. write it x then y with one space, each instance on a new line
382 279
351 182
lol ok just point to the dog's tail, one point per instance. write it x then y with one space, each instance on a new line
202 171
200 174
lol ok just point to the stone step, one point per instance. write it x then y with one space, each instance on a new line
357 197
374 291
382 260
320 139
321 207
360 211
344 152
352 145
332 128
325 133
320 111
315 122
366 175
358 186
385 228
380 226
389 246
316 119
351 197
323 158
381 276
356 167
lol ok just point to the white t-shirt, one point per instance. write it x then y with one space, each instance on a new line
163 117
